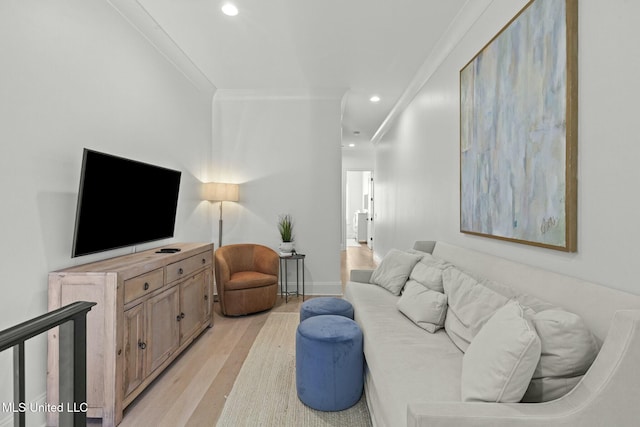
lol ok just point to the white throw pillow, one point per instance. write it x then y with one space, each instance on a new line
394 270
429 272
501 359
568 349
425 307
470 306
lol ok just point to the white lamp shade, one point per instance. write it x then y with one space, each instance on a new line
221 192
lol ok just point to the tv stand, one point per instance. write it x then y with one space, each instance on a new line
149 309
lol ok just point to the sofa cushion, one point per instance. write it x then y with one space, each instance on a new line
423 306
501 359
525 300
549 388
536 304
407 364
429 272
470 306
499 287
394 270
568 349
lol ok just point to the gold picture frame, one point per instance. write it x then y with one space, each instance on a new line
519 128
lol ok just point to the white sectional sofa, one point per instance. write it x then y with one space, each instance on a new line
413 377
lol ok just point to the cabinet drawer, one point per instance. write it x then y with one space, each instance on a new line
143 284
187 266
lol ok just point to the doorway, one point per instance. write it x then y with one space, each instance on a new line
358 215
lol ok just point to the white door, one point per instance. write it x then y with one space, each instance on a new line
370 213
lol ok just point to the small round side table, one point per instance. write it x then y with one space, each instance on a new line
284 279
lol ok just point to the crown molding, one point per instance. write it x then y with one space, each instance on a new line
281 94
459 27
140 19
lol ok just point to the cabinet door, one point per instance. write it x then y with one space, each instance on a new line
192 305
134 347
163 330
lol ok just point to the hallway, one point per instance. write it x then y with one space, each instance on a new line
354 258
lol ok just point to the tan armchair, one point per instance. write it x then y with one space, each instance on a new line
246 278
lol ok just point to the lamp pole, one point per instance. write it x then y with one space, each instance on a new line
220 227
220 192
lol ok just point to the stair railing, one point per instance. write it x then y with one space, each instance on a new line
72 320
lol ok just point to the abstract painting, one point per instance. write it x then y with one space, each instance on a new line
518 130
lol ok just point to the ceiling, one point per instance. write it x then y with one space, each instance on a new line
359 47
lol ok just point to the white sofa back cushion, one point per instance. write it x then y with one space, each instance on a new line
594 303
568 349
470 306
501 359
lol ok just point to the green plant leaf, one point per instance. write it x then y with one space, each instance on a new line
285 227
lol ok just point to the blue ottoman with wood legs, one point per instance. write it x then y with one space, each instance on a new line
329 362
326 305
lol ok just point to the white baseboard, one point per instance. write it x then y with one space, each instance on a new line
318 288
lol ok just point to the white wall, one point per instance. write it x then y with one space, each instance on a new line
284 151
358 159
417 161
74 74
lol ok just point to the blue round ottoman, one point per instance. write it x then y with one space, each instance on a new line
326 305
329 362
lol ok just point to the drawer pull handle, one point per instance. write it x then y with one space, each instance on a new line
146 286
178 318
206 297
182 315
142 345
204 261
180 271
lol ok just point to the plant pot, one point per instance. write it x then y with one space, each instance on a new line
286 247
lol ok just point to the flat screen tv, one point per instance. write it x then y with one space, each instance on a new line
123 202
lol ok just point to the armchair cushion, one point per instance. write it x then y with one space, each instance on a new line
249 279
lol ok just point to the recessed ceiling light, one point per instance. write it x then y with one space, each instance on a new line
356 132
352 145
374 98
229 9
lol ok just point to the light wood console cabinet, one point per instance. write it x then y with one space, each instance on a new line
151 306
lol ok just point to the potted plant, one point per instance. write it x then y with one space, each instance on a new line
285 227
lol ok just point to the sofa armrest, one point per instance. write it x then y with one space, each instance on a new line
424 246
607 394
361 276
471 414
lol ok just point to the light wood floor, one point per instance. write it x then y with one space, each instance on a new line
192 391
355 258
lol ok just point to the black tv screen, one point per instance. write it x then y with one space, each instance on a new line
123 202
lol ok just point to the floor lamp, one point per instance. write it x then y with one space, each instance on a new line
221 192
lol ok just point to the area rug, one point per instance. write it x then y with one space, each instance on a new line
264 393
